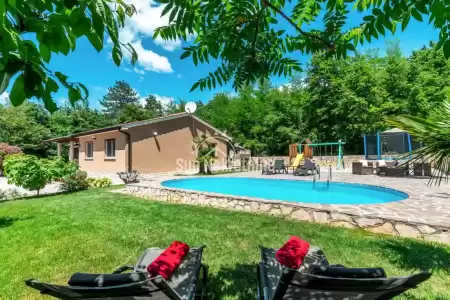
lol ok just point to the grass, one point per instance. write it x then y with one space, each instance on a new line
51 237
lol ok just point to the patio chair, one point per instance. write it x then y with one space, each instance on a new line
422 169
267 169
360 168
182 285
279 166
308 168
276 282
381 166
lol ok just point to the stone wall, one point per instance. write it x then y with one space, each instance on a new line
293 211
321 160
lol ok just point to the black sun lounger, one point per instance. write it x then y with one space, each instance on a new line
276 282
184 284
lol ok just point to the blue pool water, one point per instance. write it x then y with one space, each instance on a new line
290 190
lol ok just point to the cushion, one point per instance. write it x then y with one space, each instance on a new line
381 163
342 272
364 162
171 258
102 280
292 253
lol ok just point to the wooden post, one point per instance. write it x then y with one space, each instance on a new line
59 149
71 150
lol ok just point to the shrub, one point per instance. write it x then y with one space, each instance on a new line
99 182
11 194
58 168
26 171
74 182
6 149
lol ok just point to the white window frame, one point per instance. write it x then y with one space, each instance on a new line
87 150
113 150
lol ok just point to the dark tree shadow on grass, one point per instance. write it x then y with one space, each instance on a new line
237 282
7 221
411 254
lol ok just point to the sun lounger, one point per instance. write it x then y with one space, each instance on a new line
184 284
276 282
279 166
307 168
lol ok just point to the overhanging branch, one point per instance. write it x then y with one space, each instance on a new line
312 36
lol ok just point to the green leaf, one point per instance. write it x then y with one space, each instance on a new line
74 95
45 52
405 21
2 13
416 14
17 95
447 49
4 81
185 54
194 58
61 76
195 86
166 9
95 41
51 85
173 14
117 55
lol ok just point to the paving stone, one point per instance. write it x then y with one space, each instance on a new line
321 217
265 207
286 210
443 237
368 222
386 228
407 230
425 229
275 211
301 214
340 217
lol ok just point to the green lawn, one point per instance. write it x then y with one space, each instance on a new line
96 231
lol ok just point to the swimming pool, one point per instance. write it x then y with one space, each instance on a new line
290 190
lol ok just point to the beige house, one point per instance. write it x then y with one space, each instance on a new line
158 145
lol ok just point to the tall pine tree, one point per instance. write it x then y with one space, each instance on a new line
117 97
154 107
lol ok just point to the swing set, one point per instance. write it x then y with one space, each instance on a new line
307 149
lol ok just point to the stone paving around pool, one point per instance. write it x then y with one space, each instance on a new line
425 214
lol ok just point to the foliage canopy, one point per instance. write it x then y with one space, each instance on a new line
246 38
32 30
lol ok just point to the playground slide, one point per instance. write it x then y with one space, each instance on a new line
297 159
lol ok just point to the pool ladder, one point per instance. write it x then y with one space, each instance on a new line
329 177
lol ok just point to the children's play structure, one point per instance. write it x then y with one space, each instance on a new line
388 144
307 149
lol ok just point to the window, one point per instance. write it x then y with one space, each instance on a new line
110 148
90 150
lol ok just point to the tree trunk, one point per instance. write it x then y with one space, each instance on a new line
201 167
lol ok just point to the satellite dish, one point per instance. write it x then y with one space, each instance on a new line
190 107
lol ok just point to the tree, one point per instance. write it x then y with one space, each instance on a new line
26 126
434 133
26 171
133 112
154 107
32 30
6 149
245 35
117 97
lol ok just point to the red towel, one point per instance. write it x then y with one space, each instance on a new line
292 253
169 260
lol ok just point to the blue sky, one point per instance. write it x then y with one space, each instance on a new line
159 70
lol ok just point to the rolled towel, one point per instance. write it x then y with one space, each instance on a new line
292 253
102 280
171 258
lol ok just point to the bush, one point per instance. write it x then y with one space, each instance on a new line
58 168
6 149
11 194
74 182
99 182
26 171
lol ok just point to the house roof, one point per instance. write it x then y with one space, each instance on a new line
393 130
135 124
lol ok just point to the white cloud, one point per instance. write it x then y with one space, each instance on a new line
127 69
139 71
149 60
4 98
287 86
141 78
147 19
179 76
165 100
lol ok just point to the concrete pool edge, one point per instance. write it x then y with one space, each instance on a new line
336 215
